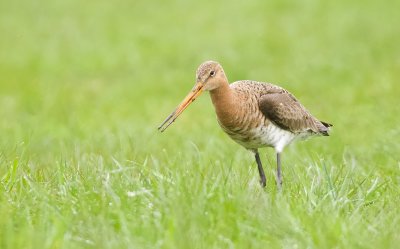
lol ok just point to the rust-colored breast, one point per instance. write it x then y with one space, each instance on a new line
238 113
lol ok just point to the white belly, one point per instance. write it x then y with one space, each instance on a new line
266 136
270 136
274 136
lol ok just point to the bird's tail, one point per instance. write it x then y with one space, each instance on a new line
324 128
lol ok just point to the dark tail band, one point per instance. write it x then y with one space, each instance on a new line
324 130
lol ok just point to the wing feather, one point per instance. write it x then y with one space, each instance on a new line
283 109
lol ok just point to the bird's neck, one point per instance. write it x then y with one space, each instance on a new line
224 102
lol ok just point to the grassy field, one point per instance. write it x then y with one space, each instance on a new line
84 85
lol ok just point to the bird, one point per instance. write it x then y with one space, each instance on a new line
253 114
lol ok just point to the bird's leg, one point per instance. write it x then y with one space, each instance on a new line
263 181
278 170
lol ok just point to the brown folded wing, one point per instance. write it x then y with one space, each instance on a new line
284 110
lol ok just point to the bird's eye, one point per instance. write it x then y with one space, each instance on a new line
212 73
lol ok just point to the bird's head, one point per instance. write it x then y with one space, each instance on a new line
209 76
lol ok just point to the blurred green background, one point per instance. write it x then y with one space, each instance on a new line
84 85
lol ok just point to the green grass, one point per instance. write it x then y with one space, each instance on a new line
83 86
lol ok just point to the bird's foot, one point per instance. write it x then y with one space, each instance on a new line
263 182
279 183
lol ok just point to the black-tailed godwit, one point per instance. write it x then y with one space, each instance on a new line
254 114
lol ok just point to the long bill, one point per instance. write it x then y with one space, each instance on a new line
196 91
